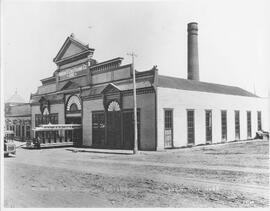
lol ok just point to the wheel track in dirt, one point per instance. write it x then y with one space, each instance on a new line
209 184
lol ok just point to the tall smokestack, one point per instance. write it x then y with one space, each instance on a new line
193 58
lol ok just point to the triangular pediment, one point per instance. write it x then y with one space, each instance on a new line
71 47
110 88
70 85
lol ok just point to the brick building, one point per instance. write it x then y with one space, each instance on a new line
90 103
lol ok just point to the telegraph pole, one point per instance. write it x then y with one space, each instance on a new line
135 149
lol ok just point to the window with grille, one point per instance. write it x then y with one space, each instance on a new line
53 118
190 126
208 125
237 124
259 119
249 124
224 125
168 130
45 119
168 119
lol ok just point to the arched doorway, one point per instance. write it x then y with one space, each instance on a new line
73 116
73 110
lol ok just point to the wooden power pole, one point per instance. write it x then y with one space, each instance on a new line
135 149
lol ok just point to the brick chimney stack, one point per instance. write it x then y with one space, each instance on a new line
193 58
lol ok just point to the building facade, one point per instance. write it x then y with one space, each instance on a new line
18 117
98 96
172 112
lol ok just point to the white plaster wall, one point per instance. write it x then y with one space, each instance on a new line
216 125
180 100
243 124
231 125
199 119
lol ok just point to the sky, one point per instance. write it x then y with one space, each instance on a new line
234 44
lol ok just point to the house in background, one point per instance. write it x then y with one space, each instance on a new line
18 117
90 103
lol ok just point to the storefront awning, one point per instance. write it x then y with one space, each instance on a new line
56 127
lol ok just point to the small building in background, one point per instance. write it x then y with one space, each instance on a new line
18 117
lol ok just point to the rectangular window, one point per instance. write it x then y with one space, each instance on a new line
224 125
19 130
259 119
237 124
168 119
23 128
53 118
27 131
208 126
168 130
38 120
45 119
190 127
249 124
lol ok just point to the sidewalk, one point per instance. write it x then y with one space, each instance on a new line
105 151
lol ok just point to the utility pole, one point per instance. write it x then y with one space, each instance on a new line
135 149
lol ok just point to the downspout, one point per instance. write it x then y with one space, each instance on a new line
156 101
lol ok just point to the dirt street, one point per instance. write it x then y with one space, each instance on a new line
223 175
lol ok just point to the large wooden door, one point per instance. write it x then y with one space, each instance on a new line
98 129
128 129
114 129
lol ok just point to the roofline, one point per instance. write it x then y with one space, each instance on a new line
86 46
107 62
208 83
90 50
47 79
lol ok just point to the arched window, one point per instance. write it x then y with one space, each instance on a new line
114 106
73 107
73 104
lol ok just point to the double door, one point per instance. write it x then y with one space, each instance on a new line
114 130
114 138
